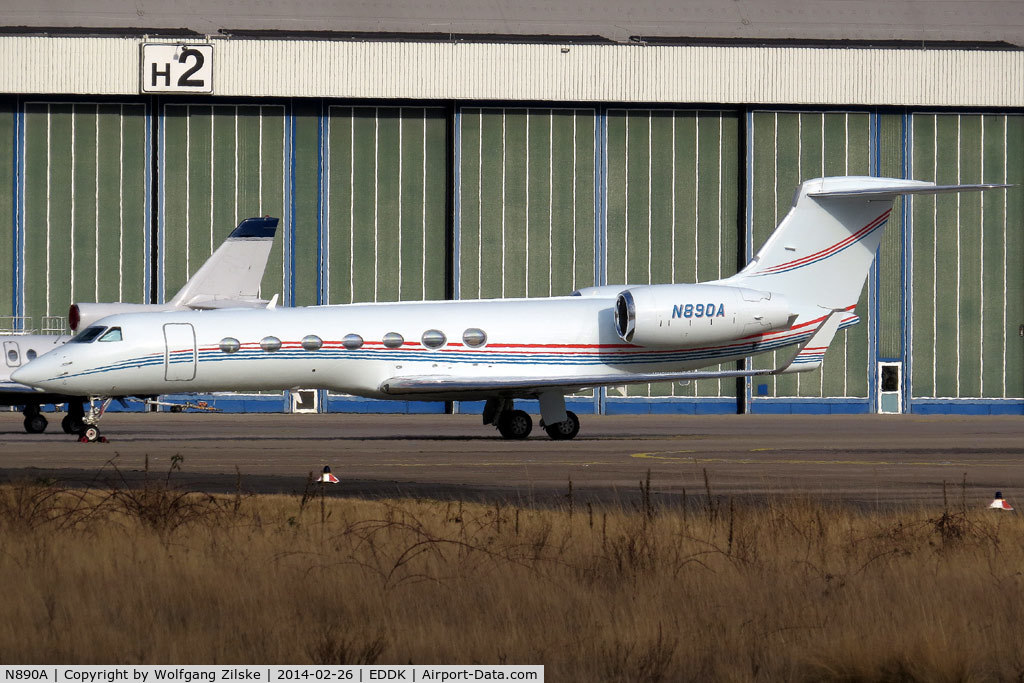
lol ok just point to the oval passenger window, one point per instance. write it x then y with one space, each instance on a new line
474 337
434 339
229 345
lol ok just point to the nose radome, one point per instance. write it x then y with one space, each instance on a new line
34 372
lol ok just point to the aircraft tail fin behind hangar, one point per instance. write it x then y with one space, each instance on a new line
234 271
822 250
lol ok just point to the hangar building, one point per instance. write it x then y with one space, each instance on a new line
463 149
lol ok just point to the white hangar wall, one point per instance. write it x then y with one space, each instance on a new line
537 72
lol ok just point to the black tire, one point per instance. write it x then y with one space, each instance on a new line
89 434
564 431
72 424
35 424
515 424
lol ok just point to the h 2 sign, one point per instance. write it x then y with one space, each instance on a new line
183 67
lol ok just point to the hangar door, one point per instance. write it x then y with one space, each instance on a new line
967 260
785 149
384 208
85 214
525 224
526 205
385 204
671 188
219 165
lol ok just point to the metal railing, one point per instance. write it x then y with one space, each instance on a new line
22 324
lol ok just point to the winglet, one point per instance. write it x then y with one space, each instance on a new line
811 354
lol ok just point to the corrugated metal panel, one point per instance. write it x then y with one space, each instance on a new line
501 71
71 66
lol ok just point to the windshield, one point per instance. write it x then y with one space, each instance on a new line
87 336
112 335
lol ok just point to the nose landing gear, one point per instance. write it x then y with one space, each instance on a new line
90 431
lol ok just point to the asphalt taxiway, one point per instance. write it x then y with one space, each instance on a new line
867 460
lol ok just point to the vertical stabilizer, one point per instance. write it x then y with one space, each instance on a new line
233 272
822 250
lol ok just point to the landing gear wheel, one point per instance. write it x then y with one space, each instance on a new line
515 424
91 433
72 424
35 423
564 430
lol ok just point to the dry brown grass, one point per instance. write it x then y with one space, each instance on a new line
776 591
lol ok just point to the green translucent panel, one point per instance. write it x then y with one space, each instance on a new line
306 203
221 164
890 292
526 197
923 247
385 204
672 208
788 148
84 205
6 208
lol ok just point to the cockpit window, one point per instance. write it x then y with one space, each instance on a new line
112 335
87 336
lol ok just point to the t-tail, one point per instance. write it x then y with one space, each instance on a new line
821 252
232 274
230 278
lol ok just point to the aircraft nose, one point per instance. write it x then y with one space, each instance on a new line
37 372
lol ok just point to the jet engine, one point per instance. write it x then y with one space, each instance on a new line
80 316
696 315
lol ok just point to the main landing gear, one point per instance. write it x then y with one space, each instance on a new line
74 421
35 422
559 423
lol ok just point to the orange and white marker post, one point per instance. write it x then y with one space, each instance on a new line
327 477
999 503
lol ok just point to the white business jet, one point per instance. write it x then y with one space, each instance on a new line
795 294
229 278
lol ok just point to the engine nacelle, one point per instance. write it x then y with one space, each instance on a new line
80 316
696 315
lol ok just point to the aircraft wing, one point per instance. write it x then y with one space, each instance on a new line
807 356
15 388
443 384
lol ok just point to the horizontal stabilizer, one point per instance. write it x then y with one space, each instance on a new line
208 303
836 189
